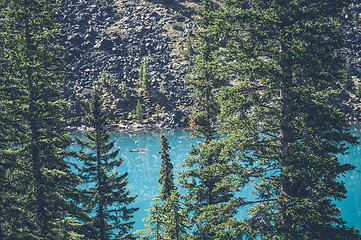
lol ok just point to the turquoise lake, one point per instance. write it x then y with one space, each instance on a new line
139 149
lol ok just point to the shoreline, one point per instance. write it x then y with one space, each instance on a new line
127 127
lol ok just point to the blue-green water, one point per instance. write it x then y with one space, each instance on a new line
141 160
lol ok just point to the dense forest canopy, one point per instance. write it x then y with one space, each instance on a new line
264 80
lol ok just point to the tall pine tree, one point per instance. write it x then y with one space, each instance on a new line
106 196
211 179
42 183
166 178
284 72
167 220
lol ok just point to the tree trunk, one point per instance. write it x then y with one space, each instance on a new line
34 139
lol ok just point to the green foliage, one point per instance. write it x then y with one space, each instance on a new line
358 90
175 221
280 134
166 178
206 77
124 88
280 63
188 51
39 194
144 76
213 176
177 26
167 220
157 111
106 198
155 225
139 113
357 17
348 82
211 183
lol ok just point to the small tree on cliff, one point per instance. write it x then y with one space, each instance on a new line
144 74
106 199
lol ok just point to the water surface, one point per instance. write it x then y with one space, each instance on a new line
140 151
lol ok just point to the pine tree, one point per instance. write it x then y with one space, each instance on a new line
211 179
40 199
175 220
175 223
106 197
155 225
167 220
166 178
276 114
6 114
205 78
139 113
144 75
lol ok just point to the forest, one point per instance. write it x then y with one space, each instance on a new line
265 78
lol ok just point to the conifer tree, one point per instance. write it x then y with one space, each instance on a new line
175 223
167 220
166 178
205 78
6 114
12 220
139 113
212 182
284 72
175 220
144 74
42 185
107 198
155 225
211 179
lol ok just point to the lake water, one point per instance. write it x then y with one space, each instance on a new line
140 149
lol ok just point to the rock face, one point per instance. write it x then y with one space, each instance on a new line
115 36
102 35
351 97
352 31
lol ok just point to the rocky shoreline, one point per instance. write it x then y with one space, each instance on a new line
176 119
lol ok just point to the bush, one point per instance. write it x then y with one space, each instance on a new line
177 27
139 114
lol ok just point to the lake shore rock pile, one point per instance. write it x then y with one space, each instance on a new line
115 36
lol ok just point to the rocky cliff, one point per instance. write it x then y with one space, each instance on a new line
116 36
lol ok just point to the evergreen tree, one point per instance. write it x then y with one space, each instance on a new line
139 113
205 79
38 202
144 75
155 225
284 72
175 221
167 220
5 125
106 197
211 179
166 178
